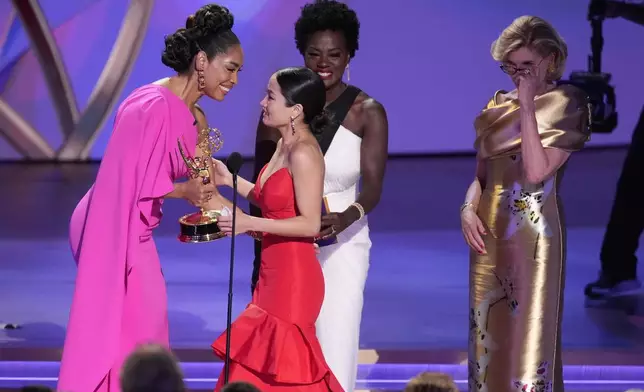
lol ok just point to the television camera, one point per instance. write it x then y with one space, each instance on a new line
596 84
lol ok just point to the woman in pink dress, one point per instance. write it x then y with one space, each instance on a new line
120 296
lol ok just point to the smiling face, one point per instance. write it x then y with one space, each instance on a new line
327 55
275 113
221 73
524 60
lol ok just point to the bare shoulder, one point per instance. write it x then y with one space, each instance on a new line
305 154
368 106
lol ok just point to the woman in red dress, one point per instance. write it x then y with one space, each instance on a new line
273 342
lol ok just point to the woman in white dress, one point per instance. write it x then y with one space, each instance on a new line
354 148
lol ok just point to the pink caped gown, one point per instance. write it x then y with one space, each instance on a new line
120 295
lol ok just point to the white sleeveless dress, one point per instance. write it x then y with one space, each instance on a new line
344 264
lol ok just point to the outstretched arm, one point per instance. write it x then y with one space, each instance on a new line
193 191
307 167
245 189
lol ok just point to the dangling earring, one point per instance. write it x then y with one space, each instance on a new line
201 80
348 73
293 126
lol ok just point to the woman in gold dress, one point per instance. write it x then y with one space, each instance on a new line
512 215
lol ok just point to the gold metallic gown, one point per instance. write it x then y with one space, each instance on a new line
516 290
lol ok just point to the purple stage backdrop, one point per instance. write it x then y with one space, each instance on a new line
427 61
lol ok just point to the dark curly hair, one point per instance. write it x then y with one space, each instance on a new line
208 30
327 15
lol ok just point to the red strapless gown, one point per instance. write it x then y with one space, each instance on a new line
273 343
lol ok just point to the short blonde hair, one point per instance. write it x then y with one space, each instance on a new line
536 34
431 382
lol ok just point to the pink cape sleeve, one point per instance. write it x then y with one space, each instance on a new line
136 171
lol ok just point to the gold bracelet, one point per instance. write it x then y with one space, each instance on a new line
465 205
359 208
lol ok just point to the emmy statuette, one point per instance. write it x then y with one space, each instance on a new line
201 226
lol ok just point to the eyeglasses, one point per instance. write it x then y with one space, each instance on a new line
512 69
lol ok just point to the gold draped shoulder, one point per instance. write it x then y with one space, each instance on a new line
562 117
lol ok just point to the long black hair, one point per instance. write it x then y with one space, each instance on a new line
300 85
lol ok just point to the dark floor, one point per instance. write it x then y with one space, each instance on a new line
415 311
